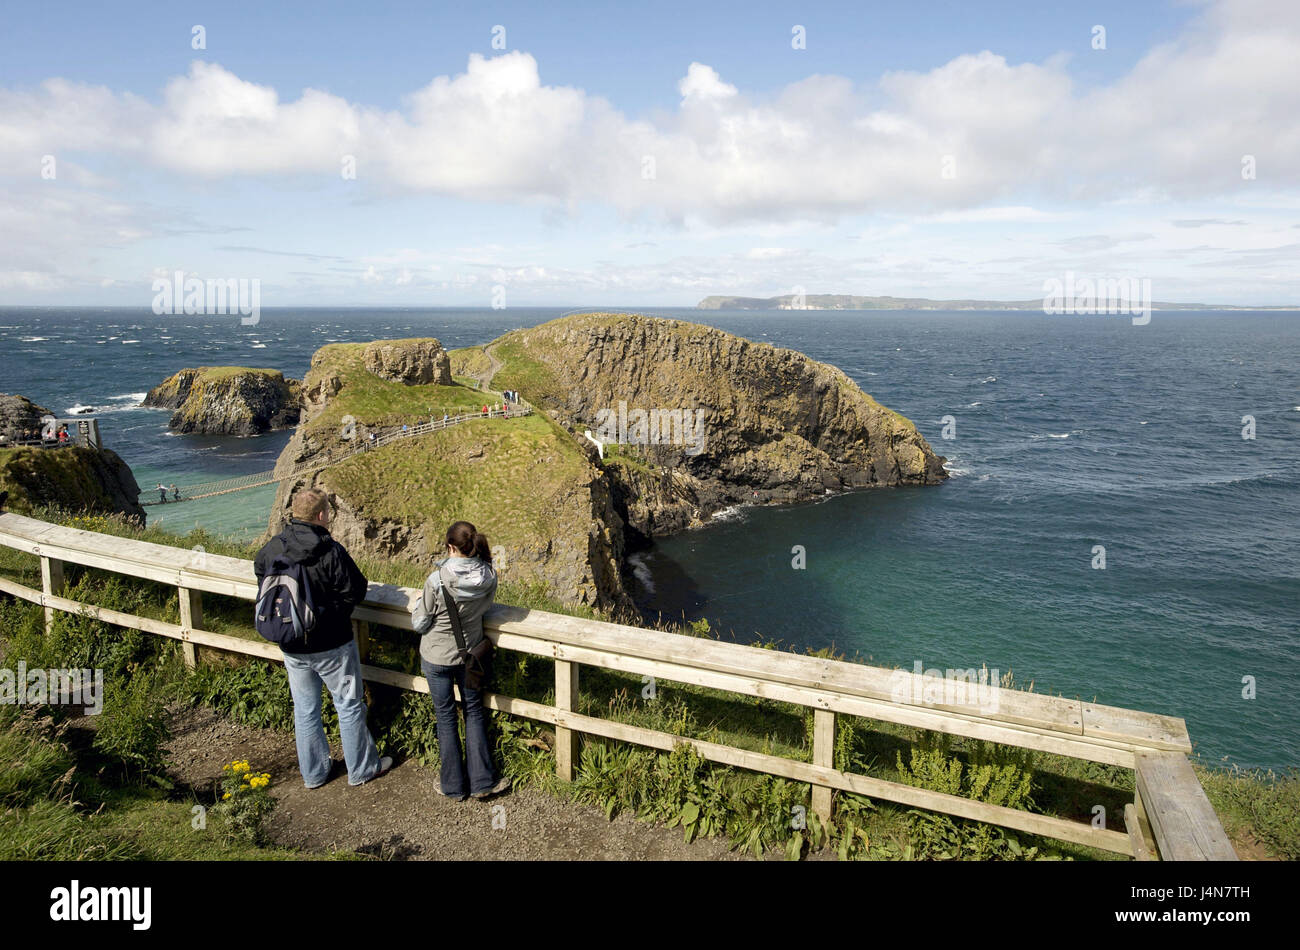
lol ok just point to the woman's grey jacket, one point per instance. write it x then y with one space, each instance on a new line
473 584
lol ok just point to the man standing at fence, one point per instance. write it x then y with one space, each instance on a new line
337 586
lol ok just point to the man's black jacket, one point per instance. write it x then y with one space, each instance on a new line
337 584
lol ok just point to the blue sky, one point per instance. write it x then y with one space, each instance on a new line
649 153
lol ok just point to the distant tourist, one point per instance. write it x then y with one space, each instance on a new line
485 410
405 428
371 444
63 435
457 593
444 418
176 493
162 493
327 653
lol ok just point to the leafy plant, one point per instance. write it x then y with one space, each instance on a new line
245 803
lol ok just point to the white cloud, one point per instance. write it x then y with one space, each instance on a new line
1176 124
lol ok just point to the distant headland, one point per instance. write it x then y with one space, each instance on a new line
854 302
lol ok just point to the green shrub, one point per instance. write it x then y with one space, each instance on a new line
994 775
132 729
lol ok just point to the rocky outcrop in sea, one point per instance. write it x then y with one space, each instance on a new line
228 400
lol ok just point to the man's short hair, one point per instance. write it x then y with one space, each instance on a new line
309 503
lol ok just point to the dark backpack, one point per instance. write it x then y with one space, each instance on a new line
285 611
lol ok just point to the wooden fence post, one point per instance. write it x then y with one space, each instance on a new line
566 700
191 618
823 754
361 631
51 584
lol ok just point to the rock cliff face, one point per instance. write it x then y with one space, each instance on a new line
409 362
546 509
228 400
73 478
19 415
695 419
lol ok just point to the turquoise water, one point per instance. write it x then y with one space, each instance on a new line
1071 432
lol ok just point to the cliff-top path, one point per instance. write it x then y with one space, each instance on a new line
401 817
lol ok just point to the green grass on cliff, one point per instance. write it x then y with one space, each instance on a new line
380 402
33 476
508 477
469 361
520 371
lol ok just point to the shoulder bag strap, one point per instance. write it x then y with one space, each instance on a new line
453 615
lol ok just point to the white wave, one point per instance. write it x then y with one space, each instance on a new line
1053 435
78 409
33 339
989 379
641 572
259 346
1141 423
732 513
130 341
972 405
956 472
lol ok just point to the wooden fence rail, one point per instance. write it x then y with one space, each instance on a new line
1169 817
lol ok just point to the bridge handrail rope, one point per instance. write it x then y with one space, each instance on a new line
1170 815
256 479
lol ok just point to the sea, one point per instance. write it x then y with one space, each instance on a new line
1122 523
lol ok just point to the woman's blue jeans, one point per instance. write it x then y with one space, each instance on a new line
478 752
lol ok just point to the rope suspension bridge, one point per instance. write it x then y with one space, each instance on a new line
258 479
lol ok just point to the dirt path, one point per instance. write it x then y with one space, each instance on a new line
399 816
494 364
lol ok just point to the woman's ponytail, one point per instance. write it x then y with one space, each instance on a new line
468 541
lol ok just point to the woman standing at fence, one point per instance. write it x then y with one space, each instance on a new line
468 577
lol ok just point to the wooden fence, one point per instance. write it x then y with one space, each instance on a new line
1170 816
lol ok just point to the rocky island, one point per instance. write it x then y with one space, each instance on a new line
227 400
565 492
70 477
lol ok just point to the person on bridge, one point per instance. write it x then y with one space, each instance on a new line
162 493
468 576
485 409
337 586
176 492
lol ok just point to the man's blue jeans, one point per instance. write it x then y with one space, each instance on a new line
478 753
340 670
